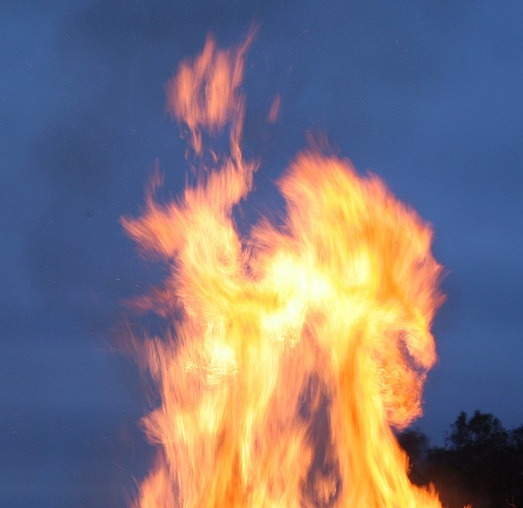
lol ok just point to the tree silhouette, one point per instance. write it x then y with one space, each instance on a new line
481 463
482 431
416 444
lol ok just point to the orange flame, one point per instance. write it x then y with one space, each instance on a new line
292 351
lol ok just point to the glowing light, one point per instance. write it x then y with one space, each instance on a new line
295 350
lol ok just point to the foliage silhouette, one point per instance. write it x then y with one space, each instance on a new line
480 465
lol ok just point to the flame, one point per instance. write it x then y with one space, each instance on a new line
292 352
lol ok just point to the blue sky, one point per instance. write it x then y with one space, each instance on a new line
425 94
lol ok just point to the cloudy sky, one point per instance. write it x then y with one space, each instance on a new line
427 94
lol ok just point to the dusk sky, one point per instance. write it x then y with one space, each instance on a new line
426 94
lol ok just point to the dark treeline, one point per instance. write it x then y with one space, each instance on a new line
481 463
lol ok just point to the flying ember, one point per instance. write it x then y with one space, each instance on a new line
292 351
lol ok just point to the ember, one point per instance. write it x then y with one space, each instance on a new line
294 351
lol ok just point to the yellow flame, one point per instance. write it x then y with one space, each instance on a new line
295 350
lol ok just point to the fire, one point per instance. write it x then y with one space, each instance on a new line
292 352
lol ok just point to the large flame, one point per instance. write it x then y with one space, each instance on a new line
291 353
